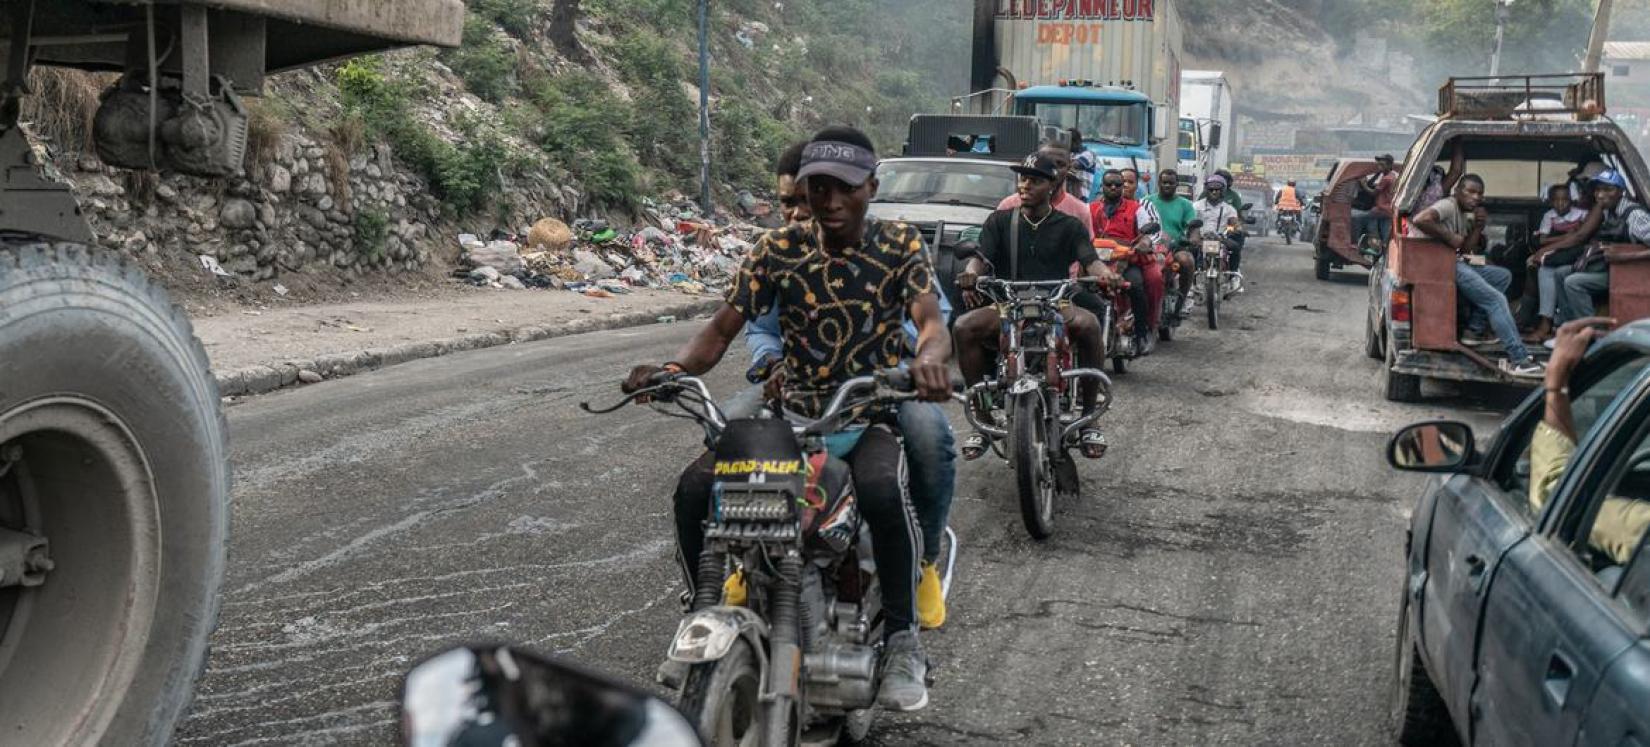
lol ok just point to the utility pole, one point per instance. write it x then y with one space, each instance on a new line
1595 43
704 110
1503 9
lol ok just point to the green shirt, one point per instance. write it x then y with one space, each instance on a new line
1173 215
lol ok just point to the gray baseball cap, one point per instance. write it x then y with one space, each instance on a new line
846 161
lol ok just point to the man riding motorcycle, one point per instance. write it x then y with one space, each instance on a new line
1030 243
1120 218
930 445
844 285
1219 216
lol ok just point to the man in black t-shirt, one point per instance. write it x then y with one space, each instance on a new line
1032 243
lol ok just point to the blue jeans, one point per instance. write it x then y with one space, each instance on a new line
1551 282
1365 222
931 449
1485 289
1580 289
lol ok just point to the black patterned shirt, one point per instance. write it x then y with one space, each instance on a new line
840 313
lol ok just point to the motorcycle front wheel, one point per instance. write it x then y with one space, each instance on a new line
1033 474
722 699
1211 300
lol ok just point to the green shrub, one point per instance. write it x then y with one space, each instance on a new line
462 175
372 230
665 131
485 62
582 128
518 17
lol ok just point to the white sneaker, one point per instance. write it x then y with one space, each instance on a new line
1529 368
1551 343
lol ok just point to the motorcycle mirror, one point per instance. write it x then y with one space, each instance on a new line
1196 223
1150 229
1247 205
494 696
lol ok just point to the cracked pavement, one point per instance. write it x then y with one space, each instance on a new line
1230 575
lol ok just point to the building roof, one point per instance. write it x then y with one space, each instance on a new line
1627 50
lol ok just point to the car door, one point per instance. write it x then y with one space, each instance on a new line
1478 517
1551 626
1474 523
1618 715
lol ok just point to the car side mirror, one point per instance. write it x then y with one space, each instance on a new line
1433 446
492 696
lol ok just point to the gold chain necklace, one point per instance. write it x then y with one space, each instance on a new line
1036 224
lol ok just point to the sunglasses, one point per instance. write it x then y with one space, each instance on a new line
1111 184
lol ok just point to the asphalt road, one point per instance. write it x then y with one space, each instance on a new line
1229 577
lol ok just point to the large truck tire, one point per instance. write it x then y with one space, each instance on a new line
112 449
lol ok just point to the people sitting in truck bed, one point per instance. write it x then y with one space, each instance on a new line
1458 222
1440 183
1620 221
1063 200
1376 220
1563 218
1581 182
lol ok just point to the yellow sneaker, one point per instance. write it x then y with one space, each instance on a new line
733 590
930 598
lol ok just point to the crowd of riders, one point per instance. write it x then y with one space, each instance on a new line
836 293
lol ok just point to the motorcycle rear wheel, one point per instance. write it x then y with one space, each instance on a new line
1033 474
722 698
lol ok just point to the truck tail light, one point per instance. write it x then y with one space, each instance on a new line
1400 306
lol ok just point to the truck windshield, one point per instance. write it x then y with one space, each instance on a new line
944 182
1123 124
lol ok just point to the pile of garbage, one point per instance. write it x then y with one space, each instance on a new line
694 255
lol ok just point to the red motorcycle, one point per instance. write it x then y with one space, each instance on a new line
1117 325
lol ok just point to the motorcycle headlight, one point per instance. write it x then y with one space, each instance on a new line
752 503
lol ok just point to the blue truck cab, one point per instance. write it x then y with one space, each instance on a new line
1116 123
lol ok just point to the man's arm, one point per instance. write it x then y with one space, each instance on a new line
1457 168
706 349
1431 223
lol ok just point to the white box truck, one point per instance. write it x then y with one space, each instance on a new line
1206 124
1110 68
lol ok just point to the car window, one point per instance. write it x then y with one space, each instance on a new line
1634 589
1586 405
1616 517
1508 178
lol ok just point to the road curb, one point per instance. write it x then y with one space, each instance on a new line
269 377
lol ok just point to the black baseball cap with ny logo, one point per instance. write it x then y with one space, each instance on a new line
1041 165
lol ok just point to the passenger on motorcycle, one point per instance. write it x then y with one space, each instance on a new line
930 445
844 285
1120 218
1032 243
